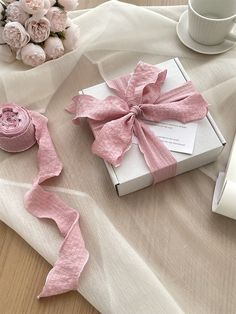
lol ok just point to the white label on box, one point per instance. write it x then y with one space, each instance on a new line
177 137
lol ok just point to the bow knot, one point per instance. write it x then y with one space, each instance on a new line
136 110
139 94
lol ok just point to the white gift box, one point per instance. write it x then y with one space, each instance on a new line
133 174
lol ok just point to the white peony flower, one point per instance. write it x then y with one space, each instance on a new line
15 13
53 48
15 35
72 34
34 6
57 18
32 55
69 5
38 29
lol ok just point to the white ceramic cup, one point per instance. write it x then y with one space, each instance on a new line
210 21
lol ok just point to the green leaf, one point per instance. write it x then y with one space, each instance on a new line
61 35
52 34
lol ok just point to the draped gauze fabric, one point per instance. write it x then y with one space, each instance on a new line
159 250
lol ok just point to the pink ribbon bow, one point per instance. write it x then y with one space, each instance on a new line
19 130
139 97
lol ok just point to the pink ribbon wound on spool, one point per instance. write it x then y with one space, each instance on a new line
16 129
20 129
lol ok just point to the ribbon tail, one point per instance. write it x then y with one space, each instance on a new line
72 259
159 159
43 204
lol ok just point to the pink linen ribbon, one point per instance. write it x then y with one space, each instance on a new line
19 130
115 119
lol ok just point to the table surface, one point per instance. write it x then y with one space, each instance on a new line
23 271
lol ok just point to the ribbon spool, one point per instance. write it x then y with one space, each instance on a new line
17 132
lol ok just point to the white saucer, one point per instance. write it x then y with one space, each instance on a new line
185 38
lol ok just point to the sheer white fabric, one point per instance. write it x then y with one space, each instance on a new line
159 250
